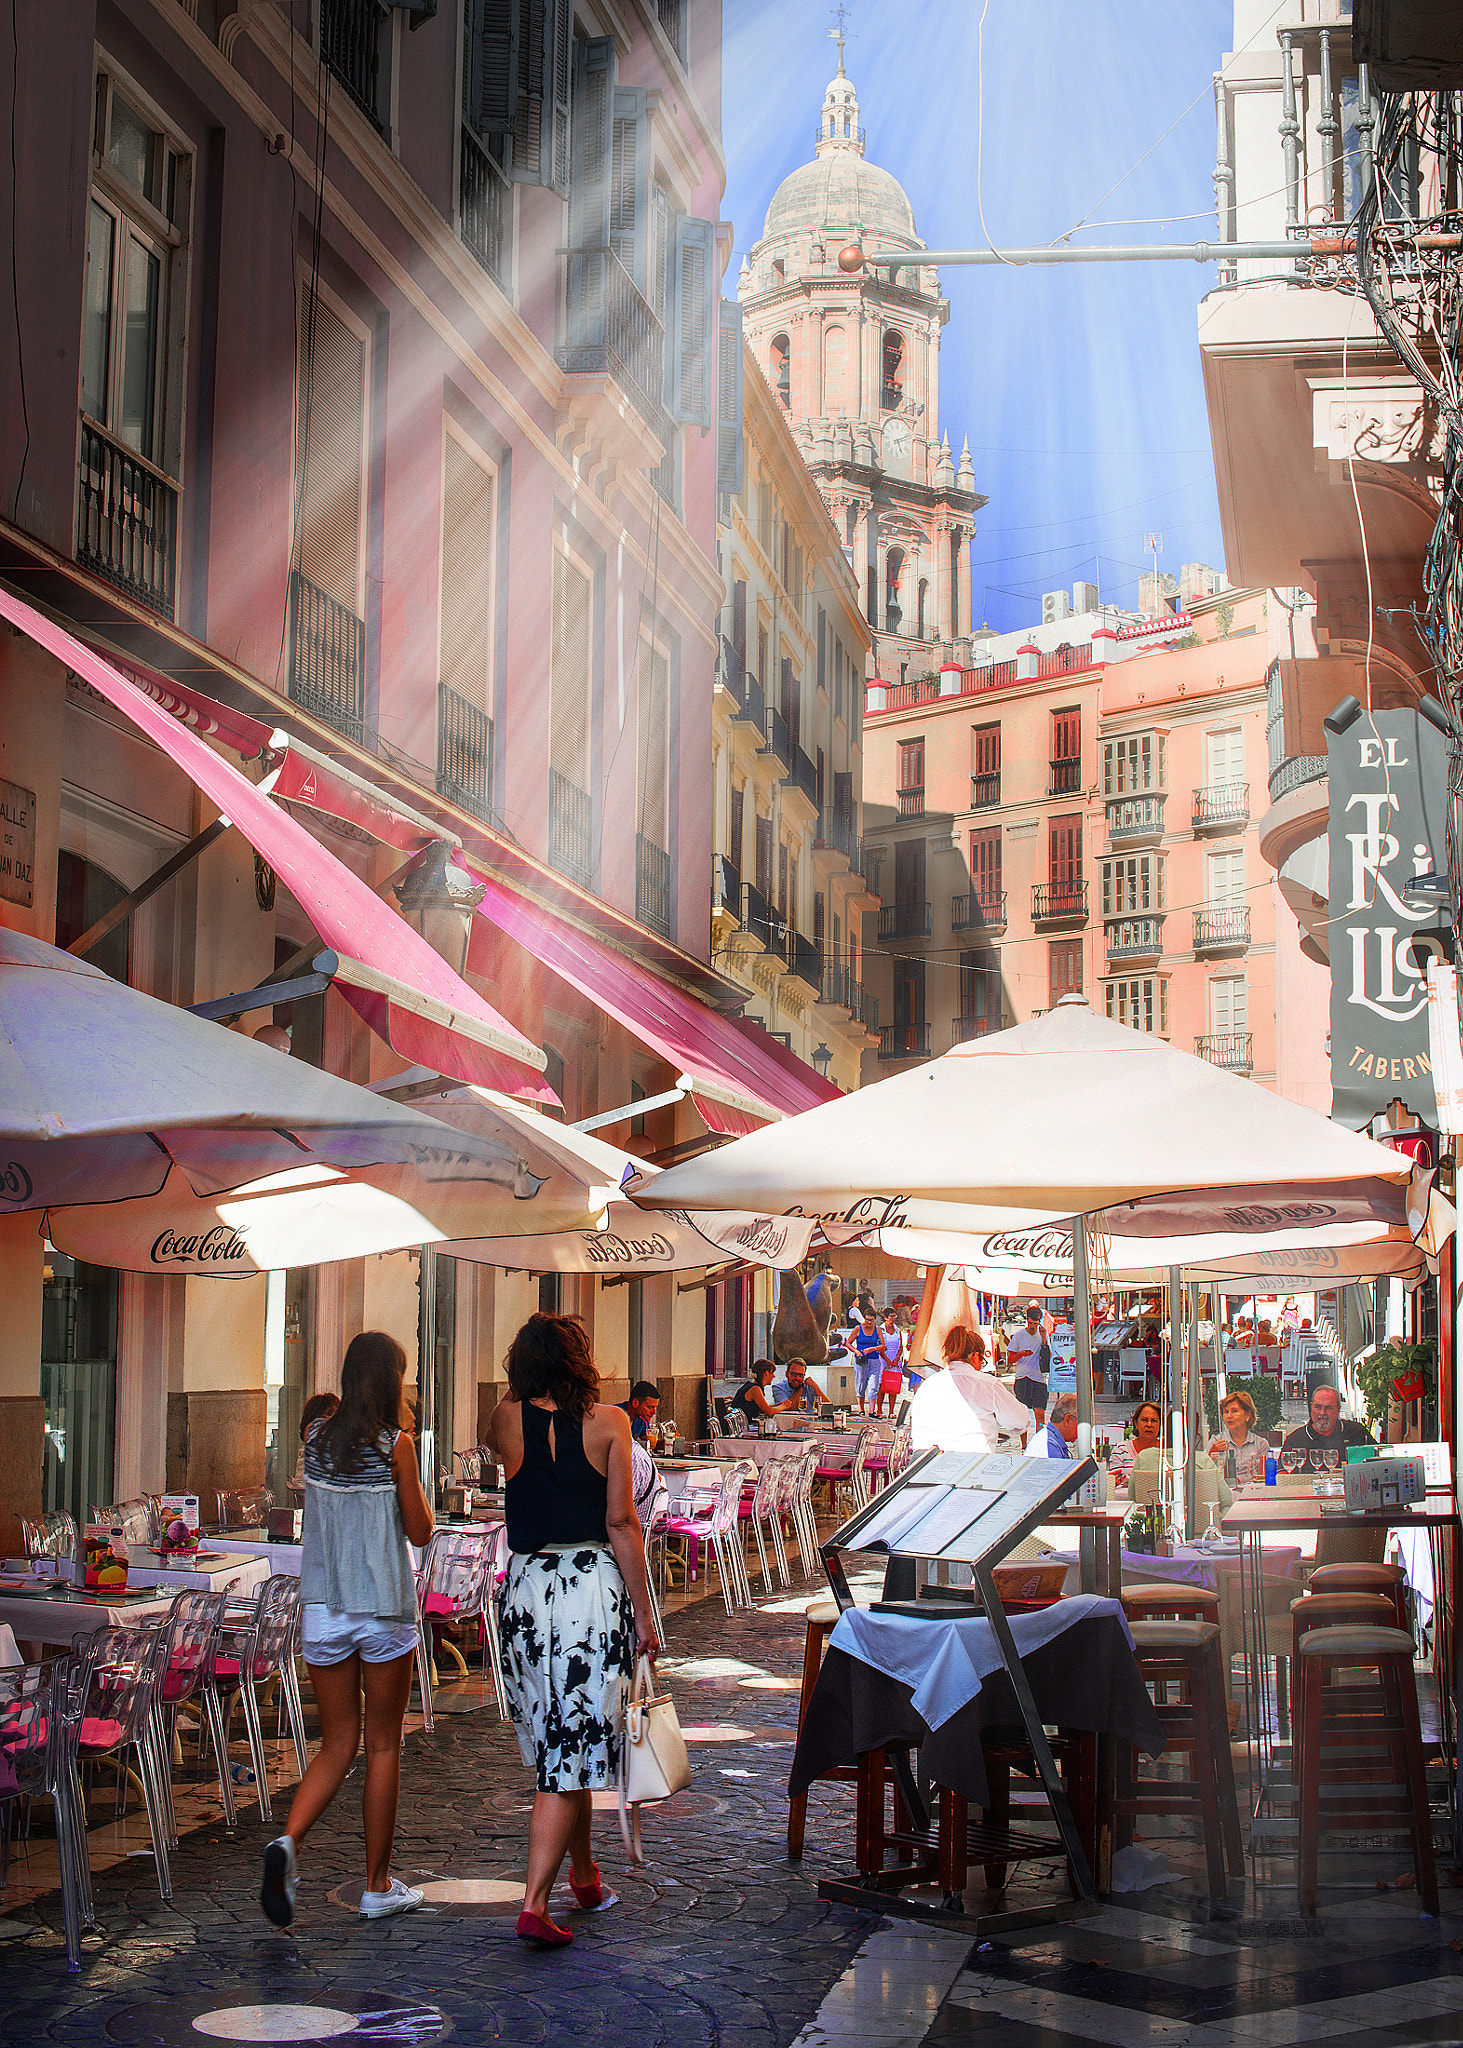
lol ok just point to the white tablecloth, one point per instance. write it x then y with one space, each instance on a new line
38 1618
681 1479
227 1571
9 1653
946 1660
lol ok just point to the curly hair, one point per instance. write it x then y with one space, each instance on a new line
550 1359
963 1343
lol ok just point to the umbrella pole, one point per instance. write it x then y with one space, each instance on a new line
1082 1317
1193 1406
427 1370
1175 1383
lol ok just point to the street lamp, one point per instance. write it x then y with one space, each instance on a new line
823 1060
438 899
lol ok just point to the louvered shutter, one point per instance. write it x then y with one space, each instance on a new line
490 88
531 25
729 397
739 619
628 143
653 730
467 549
589 197
569 674
560 64
691 389
330 430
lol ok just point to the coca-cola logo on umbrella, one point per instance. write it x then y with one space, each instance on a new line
221 1246
15 1182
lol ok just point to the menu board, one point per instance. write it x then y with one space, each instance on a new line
964 1508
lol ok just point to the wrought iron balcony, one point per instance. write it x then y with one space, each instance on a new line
465 754
1226 930
1221 807
982 910
904 1042
611 332
726 887
754 701
1059 903
838 832
327 658
904 921
1135 938
870 862
485 207
985 790
570 839
803 773
1232 1050
912 801
652 885
350 48
963 1029
777 743
1066 776
761 921
802 959
732 672
1134 819
126 520
1296 772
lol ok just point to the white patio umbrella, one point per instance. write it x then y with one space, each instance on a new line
632 1243
107 1095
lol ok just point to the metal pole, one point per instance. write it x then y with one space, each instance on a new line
1223 178
1194 1401
1176 1379
427 1370
1140 252
1289 133
1082 1319
1328 127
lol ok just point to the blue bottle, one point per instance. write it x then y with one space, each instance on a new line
1270 1468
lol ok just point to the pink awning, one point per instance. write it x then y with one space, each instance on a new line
739 1077
388 973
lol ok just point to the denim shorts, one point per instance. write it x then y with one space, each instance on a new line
866 1372
329 1638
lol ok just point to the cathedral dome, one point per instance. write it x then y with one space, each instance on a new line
839 191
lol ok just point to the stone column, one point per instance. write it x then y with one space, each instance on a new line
963 626
813 352
940 537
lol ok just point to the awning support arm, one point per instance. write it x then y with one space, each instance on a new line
135 898
294 988
629 1109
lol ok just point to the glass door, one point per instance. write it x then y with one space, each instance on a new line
78 1384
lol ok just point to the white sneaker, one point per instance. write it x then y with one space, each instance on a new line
397 1898
277 1893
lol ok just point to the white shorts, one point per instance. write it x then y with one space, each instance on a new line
329 1638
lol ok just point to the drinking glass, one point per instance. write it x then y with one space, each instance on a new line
1318 1462
1332 1456
1290 1462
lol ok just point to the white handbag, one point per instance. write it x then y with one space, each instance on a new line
653 1759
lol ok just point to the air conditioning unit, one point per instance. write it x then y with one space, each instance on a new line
1084 598
1054 606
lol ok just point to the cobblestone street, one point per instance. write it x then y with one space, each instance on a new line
719 1940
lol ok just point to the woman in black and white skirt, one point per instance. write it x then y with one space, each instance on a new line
575 1608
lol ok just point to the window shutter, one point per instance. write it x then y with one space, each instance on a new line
529 27
559 67
569 674
467 552
594 99
822 650
691 389
331 419
627 185
729 403
653 723
490 88
739 619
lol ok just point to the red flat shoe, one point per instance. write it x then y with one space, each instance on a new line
589 1896
544 1932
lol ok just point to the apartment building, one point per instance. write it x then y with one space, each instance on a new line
1072 816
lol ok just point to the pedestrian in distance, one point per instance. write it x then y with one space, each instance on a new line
868 1359
363 1504
575 1606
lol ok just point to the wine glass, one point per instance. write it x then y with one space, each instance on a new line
1318 1462
1332 1456
1288 1460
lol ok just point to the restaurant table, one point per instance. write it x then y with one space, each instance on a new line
1109 1554
1079 1664
687 1475
211 1571
762 1449
47 1612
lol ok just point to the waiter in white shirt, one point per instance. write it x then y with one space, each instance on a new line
965 1408
1023 1355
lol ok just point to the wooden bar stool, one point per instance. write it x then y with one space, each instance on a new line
1165 1602
822 1619
1184 1655
1387 1579
1335 1610
1343 1719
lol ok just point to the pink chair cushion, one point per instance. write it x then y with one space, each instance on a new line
834 1472
877 1462
225 1667
438 1603
99 1735
680 1525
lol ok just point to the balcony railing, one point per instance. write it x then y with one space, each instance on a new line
1135 938
327 658
904 921
803 773
611 332
842 990
1221 806
870 862
985 790
1059 902
1066 776
777 743
726 887
857 136
838 832
1222 931
484 204
569 829
904 1042
350 48
963 1029
1296 772
760 921
1232 1050
802 959
465 754
1135 818
981 910
912 801
652 885
126 520
732 675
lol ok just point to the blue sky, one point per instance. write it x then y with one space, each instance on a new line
1079 385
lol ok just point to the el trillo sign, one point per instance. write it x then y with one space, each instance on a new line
1388 811
17 843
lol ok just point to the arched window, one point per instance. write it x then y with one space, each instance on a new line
893 369
835 365
85 893
847 125
893 570
779 362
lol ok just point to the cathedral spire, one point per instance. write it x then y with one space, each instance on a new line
839 131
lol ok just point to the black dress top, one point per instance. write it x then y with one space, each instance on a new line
556 1498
